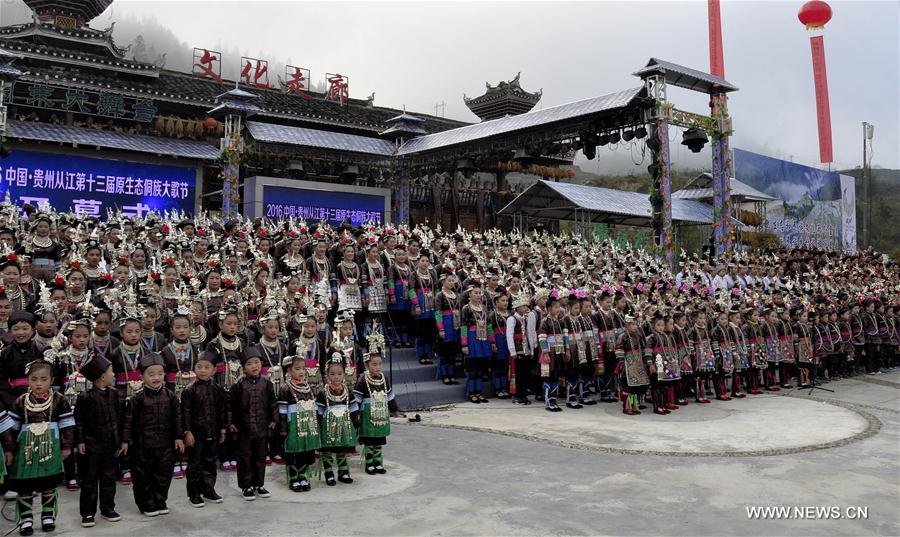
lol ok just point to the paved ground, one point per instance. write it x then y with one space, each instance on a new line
444 480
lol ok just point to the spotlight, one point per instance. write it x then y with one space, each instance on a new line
466 167
603 139
628 135
640 132
695 139
614 137
5 151
653 143
589 145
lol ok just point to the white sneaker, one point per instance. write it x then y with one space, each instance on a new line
10 495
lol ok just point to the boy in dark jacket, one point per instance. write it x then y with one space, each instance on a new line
204 418
98 424
153 430
253 414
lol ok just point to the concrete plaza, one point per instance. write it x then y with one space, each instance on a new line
499 469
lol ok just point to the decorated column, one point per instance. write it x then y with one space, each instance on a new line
723 229
667 232
233 107
401 198
723 232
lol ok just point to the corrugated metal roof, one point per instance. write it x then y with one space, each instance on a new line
506 125
282 134
685 77
547 199
700 189
47 132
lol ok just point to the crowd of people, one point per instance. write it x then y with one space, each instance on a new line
141 349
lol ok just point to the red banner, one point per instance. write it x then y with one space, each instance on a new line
716 55
823 109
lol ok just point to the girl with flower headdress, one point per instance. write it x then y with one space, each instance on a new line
93 255
11 274
44 428
44 251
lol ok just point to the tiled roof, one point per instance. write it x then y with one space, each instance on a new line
281 134
528 120
188 89
548 199
48 132
685 77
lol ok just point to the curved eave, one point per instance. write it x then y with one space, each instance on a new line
103 42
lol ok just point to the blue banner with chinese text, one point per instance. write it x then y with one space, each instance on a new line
318 205
92 186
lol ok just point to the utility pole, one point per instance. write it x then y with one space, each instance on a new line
868 133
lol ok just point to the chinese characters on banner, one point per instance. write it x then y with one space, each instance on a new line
208 64
296 81
91 186
255 72
338 88
81 101
318 205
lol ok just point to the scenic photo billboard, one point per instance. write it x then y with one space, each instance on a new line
813 208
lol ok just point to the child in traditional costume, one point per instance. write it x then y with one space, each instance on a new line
375 399
447 316
299 424
338 411
500 362
312 349
477 336
631 369
229 349
253 415
99 419
14 357
553 337
521 360
45 427
204 420
154 432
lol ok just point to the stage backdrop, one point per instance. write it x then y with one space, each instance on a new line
93 185
278 198
814 208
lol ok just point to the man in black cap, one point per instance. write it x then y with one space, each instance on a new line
98 421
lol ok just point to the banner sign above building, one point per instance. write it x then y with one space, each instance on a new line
92 186
79 101
277 199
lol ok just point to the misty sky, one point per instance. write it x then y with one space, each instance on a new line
420 54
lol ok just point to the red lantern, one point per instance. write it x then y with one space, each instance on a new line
210 123
814 14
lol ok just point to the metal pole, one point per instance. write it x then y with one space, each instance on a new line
865 192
